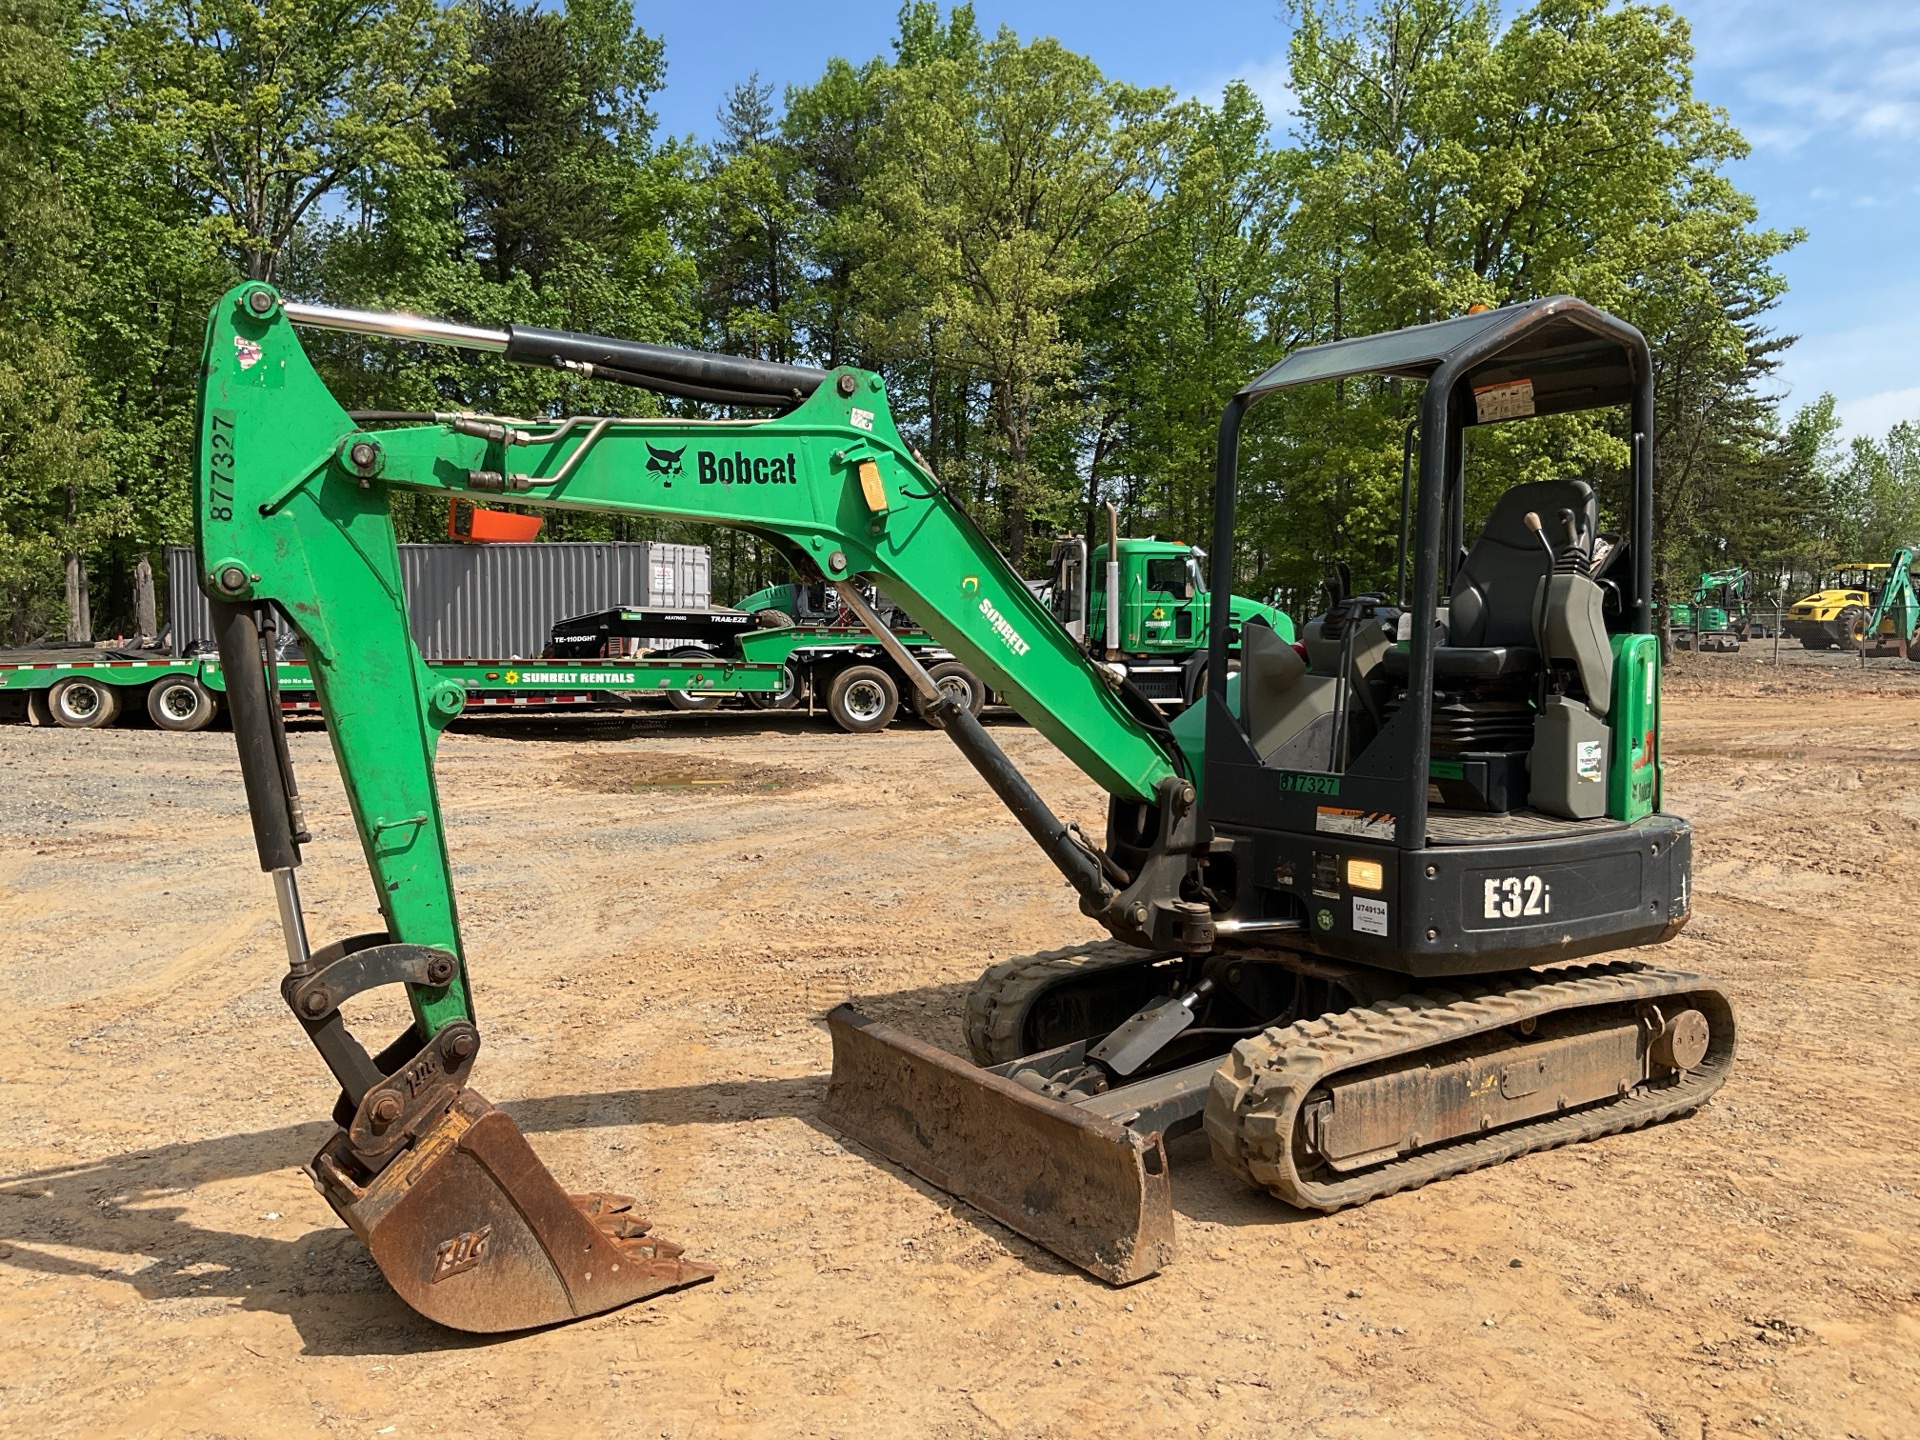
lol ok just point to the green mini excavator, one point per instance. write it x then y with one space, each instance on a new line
1366 899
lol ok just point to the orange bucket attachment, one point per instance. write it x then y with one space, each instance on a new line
472 1230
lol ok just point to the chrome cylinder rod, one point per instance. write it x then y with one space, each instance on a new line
293 926
851 597
396 326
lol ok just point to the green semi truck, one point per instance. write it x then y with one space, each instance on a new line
1142 607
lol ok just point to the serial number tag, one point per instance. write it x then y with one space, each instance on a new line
220 465
1369 916
1509 897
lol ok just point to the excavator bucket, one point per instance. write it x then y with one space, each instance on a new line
474 1233
1086 1187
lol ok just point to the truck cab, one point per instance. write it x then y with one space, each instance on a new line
1157 614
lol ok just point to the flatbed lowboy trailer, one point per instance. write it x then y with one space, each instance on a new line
83 689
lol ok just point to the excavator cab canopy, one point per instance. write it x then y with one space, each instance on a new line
1467 628
1576 357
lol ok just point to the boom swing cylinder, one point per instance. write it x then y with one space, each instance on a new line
1262 869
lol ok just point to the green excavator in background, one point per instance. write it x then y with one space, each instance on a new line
1365 898
1716 618
1893 628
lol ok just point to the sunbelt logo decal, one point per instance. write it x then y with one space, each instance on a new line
1003 628
739 468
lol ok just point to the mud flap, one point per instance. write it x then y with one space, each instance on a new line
1086 1187
472 1230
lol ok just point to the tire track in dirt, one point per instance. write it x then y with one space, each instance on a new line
650 978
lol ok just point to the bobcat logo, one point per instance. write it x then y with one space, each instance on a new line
665 462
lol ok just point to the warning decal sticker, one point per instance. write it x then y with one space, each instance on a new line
1509 401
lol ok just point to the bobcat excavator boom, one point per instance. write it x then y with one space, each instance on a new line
1221 908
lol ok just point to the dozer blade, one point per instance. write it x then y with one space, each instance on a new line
473 1232
1086 1187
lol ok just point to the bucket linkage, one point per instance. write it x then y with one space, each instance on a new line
464 1221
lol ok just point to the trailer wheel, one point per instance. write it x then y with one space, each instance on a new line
785 698
180 702
953 678
693 699
82 703
862 699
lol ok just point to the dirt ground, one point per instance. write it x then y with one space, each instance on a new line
654 942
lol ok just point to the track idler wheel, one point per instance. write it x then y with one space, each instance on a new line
473 1231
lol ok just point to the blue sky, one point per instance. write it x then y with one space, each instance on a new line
1828 94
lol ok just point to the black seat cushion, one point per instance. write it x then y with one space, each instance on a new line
1467 662
1494 591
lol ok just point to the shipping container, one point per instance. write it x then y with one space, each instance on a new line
494 602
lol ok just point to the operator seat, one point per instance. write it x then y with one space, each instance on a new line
1490 620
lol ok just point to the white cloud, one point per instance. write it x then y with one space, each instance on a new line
1269 80
1801 71
1737 33
1876 414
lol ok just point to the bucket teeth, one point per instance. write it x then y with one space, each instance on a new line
602 1203
613 1216
473 1232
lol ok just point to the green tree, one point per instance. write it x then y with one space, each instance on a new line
1880 493
552 206
1010 180
53 493
541 131
1449 160
1772 498
827 129
753 256
270 107
1185 319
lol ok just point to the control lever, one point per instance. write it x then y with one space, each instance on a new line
1532 521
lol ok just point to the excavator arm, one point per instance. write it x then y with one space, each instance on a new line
293 519
1898 602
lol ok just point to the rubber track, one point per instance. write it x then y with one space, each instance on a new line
997 1005
1255 1100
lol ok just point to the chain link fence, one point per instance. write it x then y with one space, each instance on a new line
1761 633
